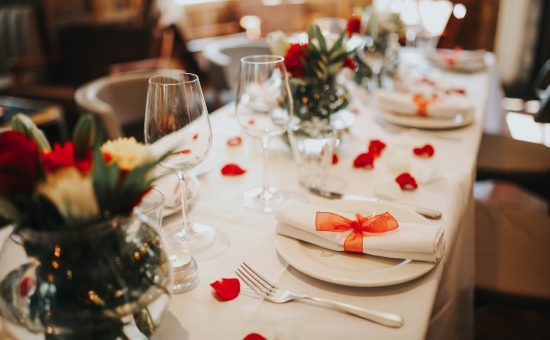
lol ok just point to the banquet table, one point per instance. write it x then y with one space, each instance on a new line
436 305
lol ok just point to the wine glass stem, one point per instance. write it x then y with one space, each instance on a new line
184 210
265 151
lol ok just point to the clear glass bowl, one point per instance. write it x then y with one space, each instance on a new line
106 280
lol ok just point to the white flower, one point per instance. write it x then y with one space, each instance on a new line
127 153
278 43
71 192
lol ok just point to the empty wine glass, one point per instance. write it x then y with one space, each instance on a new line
176 119
263 109
373 54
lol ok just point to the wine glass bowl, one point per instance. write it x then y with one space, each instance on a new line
176 120
263 108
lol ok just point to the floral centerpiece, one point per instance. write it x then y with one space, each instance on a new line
89 267
313 67
382 31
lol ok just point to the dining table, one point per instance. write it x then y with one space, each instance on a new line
436 305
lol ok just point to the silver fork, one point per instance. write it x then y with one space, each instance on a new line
270 292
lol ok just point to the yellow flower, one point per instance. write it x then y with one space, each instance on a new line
127 153
71 192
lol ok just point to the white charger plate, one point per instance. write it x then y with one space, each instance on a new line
458 121
357 270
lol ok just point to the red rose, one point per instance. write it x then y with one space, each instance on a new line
293 59
354 23
63 157
350 63
18 163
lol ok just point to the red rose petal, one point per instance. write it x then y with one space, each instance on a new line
195 136
424 151
182 152
226 289
406 181
234 141
364 160
335 159
232 169
376 146
254 336
251 122
26 286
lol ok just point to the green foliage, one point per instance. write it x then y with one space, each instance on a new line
84 135
24 124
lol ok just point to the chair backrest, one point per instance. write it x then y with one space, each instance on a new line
19 35
225 59
116 100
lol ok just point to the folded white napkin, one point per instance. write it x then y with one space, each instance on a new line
466 60
403 103
422 242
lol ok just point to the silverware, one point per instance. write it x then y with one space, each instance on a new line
270 292
426 212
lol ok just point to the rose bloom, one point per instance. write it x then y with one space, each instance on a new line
127 153
63 157
71 192
18 163
349 62
354 23
293 60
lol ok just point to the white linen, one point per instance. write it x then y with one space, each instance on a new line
403 103
422 242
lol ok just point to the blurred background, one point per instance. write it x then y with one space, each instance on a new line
50 48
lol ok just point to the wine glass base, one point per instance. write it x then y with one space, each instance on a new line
201 237
266 201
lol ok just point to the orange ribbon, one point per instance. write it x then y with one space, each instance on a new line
421 105
327 221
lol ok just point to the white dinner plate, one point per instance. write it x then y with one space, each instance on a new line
349 269
415 121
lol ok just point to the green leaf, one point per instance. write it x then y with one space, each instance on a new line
321 38
337 45
22 123
8 210
104 180
84 135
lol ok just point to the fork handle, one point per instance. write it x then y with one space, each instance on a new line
383 318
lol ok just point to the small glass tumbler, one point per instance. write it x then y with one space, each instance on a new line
184 267
313 143
152 206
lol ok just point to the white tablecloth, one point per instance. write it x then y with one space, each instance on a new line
437 305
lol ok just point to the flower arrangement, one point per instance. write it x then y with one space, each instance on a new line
313 67
92 265
73 184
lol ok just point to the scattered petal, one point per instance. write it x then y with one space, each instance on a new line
232 169
251 122
226 289
235 141
195 136
376 146
182 152
364 160
254 336
424 151
406 181
335 159
27 286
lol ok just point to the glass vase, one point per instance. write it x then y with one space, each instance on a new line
106 280
313 142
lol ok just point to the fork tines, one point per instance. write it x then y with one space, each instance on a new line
254 280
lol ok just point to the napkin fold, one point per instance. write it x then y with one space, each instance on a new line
416 241
408 104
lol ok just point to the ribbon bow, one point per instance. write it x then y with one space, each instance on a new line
327 221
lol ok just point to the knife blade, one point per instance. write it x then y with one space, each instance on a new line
426 212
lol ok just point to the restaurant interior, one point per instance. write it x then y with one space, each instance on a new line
63 60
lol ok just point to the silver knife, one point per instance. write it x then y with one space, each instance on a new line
426 212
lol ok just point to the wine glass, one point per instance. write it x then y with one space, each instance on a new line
176 120
373 54
263 108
